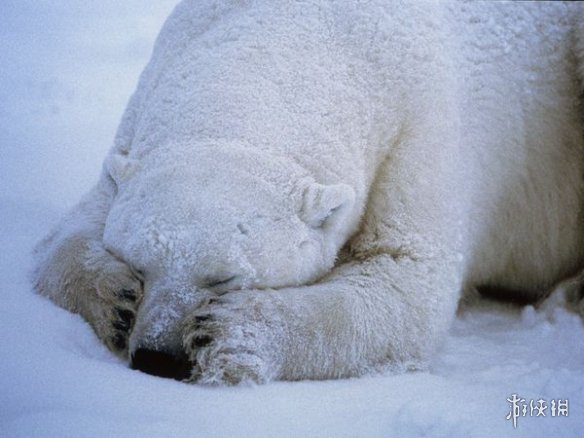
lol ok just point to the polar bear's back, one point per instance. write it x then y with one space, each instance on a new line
524 133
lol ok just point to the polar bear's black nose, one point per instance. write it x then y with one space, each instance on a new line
161 364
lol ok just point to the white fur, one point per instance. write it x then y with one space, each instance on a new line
304 188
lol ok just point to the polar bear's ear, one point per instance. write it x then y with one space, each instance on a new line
325 205
120 167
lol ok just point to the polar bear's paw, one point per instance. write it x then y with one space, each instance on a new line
113 306
232 339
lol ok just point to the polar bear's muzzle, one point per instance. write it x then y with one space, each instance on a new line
155 343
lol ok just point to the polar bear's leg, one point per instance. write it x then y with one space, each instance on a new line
73 269
371 313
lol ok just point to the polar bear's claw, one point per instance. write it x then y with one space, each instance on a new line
129 294
112 307
226 342
115 327
125 319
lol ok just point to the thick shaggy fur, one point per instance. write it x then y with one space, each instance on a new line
301 190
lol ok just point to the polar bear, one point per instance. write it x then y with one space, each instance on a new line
302 190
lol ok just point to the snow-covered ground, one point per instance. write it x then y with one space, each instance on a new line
68 68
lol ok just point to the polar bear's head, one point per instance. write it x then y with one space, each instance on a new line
223 226
225 221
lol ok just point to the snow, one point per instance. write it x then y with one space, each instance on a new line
68 70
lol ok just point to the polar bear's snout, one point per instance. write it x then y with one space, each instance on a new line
155 342
161 364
